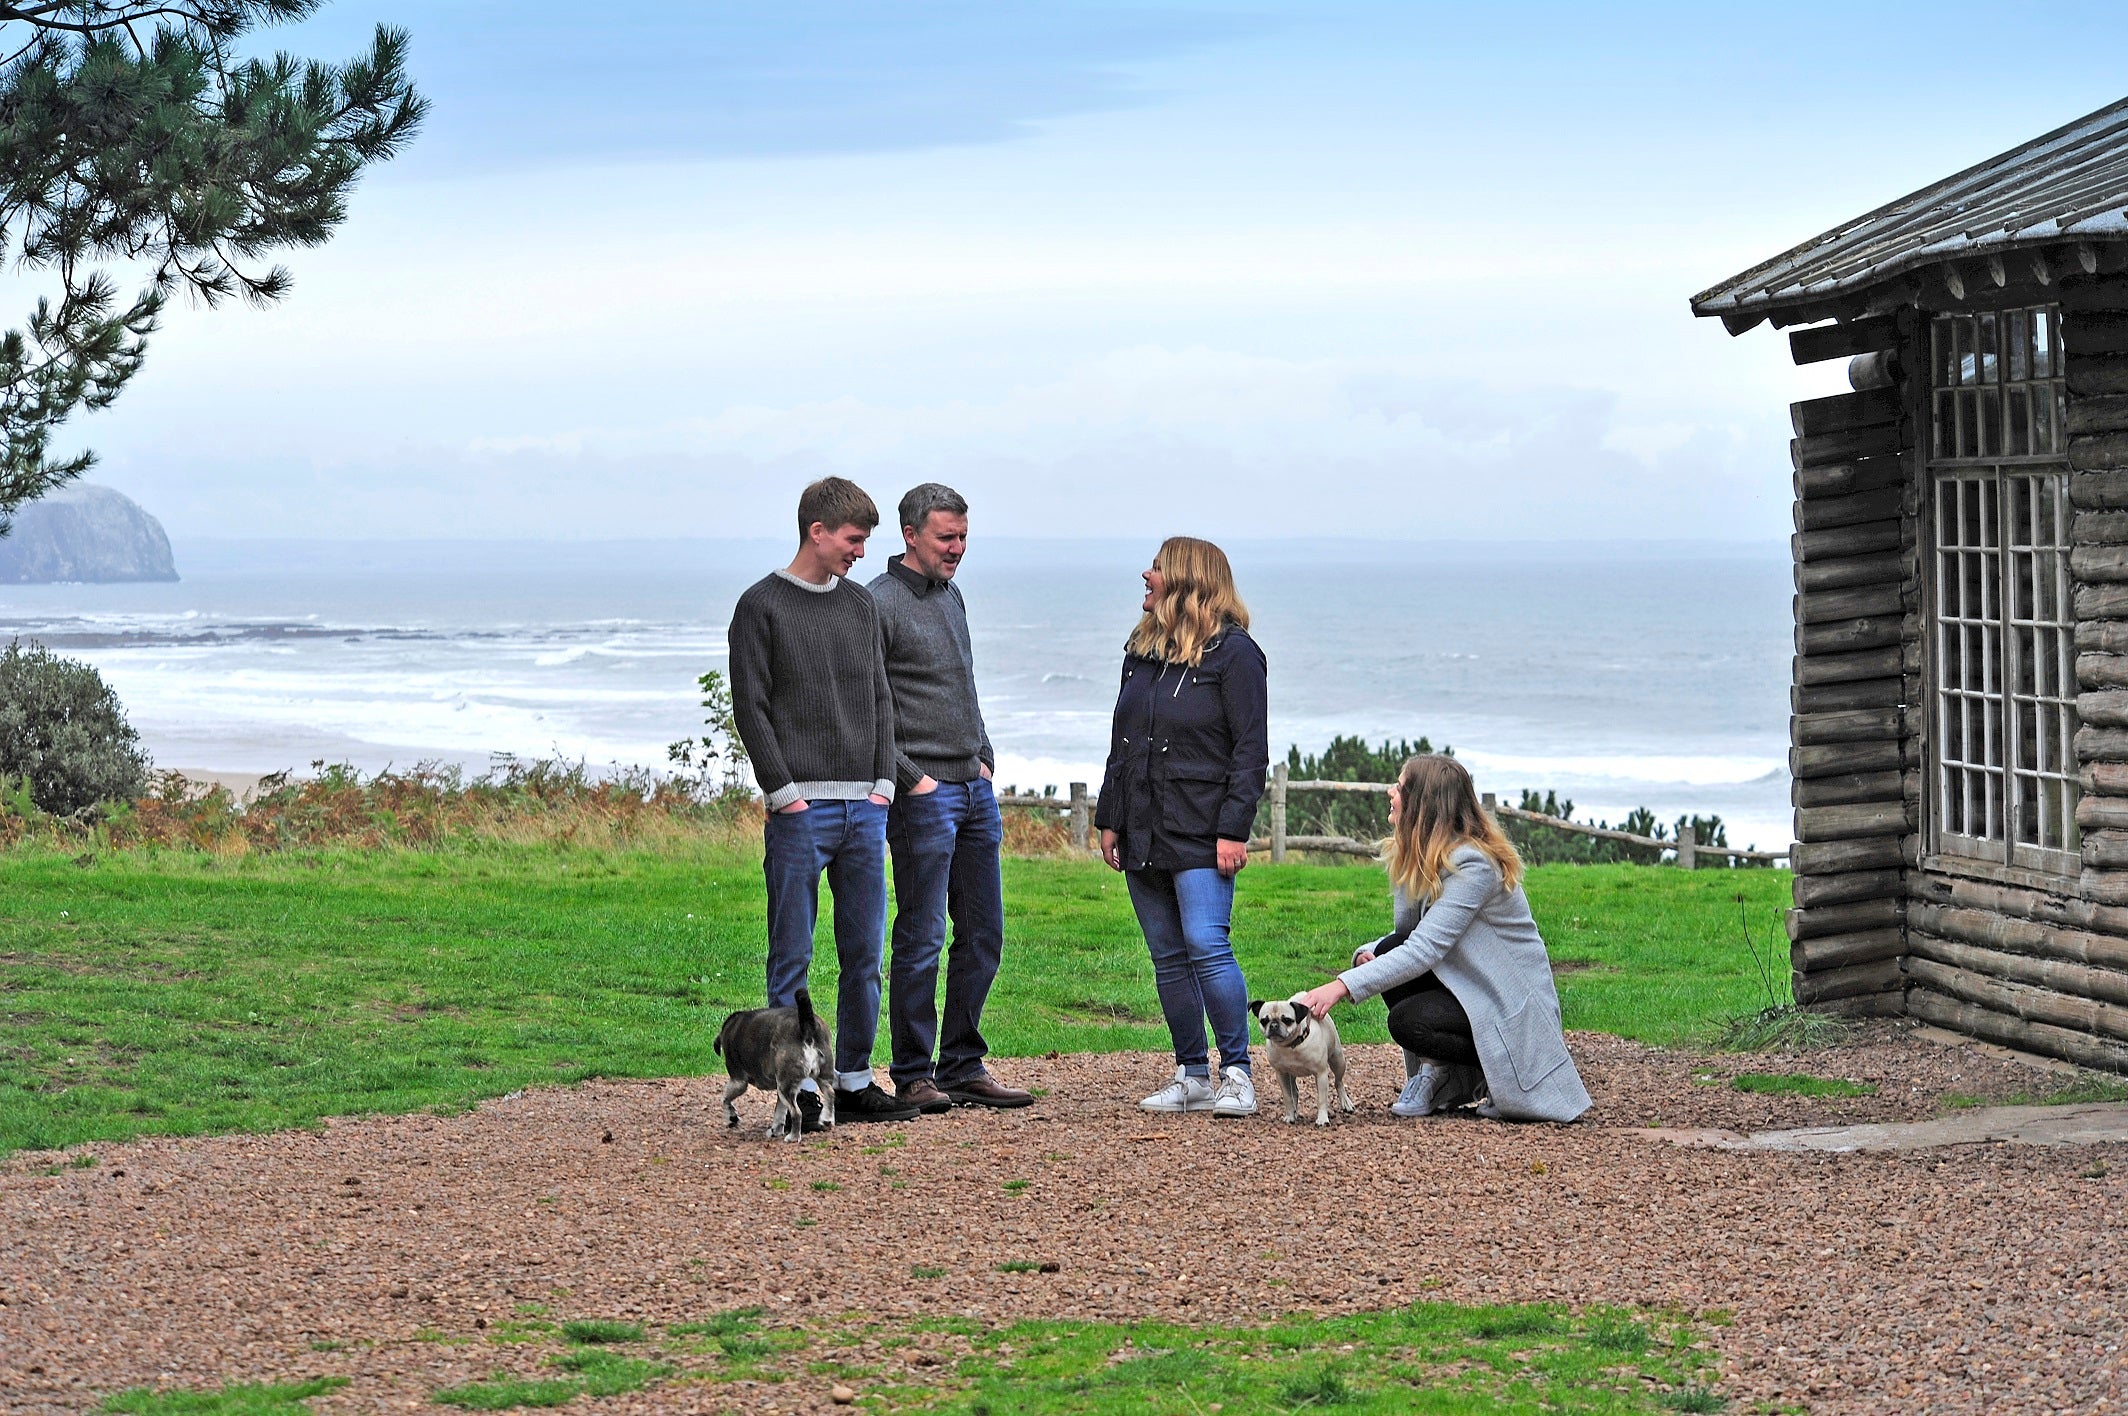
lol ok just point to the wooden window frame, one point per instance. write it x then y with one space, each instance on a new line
1992 430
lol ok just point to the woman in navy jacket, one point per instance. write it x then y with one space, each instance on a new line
1186 764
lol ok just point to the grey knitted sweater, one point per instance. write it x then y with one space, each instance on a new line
809 691
938 724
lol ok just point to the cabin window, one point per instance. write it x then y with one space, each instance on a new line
2002 641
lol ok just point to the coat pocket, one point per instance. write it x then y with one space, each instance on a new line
1189 805
1534 1042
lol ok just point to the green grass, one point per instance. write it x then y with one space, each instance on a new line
248 1400
179 993
602 1330
2088 1087
1798 1084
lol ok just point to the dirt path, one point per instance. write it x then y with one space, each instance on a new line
1977 1278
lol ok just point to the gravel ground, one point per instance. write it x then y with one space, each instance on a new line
1965 1279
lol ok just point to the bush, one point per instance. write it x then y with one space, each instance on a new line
63 732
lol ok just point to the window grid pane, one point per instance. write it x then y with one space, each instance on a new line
2003 769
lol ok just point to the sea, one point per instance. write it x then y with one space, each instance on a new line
1618 675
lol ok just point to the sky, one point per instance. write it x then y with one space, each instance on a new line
1323 268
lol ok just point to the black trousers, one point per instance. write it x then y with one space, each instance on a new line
1425 1018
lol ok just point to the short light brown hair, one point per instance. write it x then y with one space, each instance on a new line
835 502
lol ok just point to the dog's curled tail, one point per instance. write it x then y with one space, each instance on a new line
809 1029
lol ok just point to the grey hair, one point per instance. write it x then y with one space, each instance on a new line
920 501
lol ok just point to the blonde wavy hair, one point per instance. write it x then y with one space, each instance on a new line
1197 600
1438 812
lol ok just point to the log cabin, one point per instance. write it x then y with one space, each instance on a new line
1959 703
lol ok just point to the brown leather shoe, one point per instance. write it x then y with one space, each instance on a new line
981 1090
924 1095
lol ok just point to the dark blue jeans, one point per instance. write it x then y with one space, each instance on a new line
1185 915
848 840
945 846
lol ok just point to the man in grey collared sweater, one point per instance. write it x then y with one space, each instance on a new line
943 829
809 693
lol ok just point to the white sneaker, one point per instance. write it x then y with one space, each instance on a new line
1237 1095
1418 1094
1185 1093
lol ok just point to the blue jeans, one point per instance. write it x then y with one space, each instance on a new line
945 845
847 839
1185 915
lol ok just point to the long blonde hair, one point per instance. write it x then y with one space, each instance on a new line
1196 601
1437 813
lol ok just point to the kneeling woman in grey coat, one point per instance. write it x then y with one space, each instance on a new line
1466 976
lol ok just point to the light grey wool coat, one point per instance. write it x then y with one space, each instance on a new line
1482 943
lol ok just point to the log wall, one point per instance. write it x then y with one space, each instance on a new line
2043 965
1854 753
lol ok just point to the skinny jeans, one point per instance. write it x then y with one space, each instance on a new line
846 841
1186 916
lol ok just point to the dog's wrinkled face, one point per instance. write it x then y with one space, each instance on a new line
1282 1021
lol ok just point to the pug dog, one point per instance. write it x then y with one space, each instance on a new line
775 1049
1301 1045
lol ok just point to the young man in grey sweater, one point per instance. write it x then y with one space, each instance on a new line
809 691
943 828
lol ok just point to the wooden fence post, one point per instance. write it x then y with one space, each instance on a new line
1081 818
1278 814
1489 802
1687 846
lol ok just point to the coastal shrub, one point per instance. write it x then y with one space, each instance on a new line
64 734
1364 816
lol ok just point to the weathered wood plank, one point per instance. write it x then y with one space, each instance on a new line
1864 1005
2076 980
1813 607
1843 856
1823 986
2086 332
2045 1039
1828 448
2097 375
1858 725
2102 637
1843 341
2103 293
2099 564
2037 1005
2095 452
1842 697
1845 412
1849 668
1881 368
2103 708
2106 850
1839 542
2075 909
2102 813
2101 602
2102 670
1853 571
2105 413
1857 509
2103 887
1843 758
1817 891
1854 917
1850 787
1846 823
2104 779
2096 528
2101 745
1853 635
2105 490
1842 479
2016 935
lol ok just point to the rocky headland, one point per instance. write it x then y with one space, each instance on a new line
84 533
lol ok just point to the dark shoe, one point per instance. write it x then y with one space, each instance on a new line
924 1095
983 1091
871 1104
809 1113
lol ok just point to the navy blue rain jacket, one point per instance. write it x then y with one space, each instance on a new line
1187 755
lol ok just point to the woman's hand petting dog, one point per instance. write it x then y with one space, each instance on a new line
1321 1000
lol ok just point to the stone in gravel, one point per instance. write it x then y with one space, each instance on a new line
842 1396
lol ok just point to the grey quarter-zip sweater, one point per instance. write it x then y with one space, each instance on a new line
809 691
938 724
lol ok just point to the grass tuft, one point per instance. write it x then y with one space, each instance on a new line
1798 1084
506 1392
257 1399
596 1330
1786 1028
